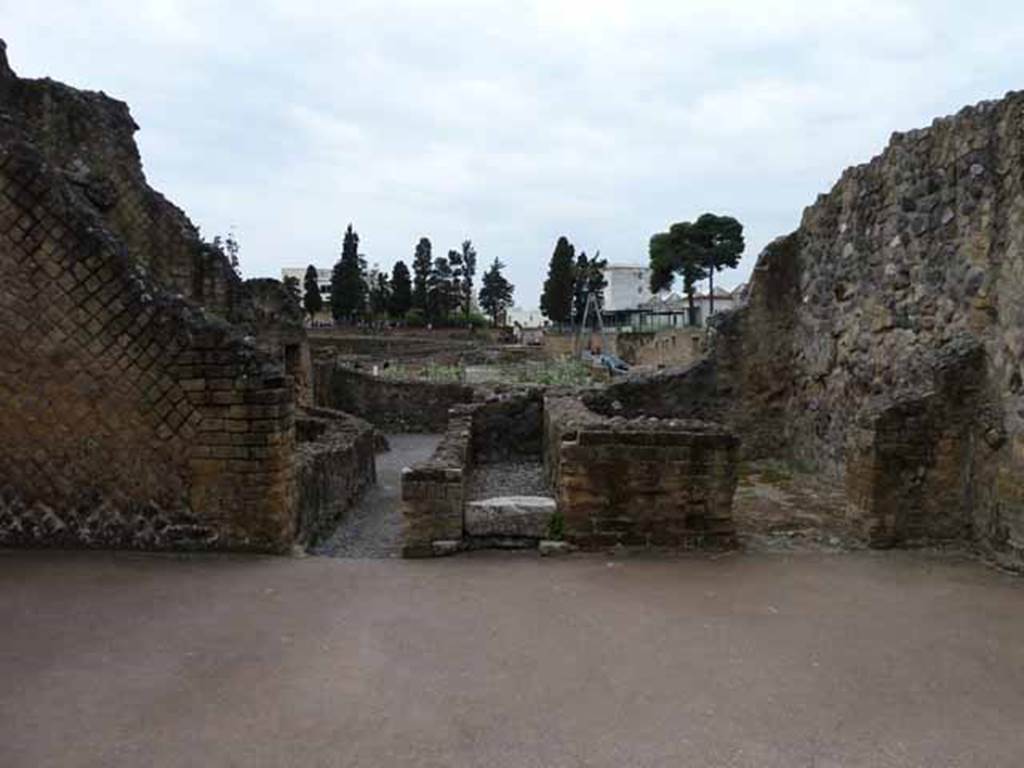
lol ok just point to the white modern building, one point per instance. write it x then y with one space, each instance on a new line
323 278
629 286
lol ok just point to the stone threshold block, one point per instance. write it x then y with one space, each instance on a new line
510 516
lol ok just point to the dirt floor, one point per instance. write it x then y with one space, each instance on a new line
805 659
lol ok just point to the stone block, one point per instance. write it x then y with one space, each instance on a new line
511 516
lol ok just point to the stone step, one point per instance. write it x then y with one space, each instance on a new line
518 516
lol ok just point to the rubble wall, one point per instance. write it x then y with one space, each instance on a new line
391 405
884 340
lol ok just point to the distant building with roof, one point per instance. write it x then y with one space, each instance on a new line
630 305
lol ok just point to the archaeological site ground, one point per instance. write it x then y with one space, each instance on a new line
795 538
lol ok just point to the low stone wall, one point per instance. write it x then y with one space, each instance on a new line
671 346
390 405
335 465
434 491
639 482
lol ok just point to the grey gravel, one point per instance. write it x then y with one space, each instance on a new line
373 528
508 478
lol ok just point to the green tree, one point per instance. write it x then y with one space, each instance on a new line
422 264
312 301
695 251
674 253
348 281
442 298
380 293
401 290
468 259
557 296
721 238
496 292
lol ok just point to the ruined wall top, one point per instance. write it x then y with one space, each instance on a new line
89 137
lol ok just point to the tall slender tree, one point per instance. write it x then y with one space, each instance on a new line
379 293
468 273
348 281
441 295
312 301
556 298
496 292
401 290
422 264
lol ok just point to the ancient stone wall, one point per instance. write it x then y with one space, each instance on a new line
639 482
884 340
277 323
131 417
391 405
336 465
434 491
87 138
656 349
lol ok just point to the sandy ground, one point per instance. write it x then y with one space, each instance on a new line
859 659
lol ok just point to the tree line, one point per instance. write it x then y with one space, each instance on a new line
438 291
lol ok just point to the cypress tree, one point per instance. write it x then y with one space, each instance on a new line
401 290
556 298
348 281
312 301
422 263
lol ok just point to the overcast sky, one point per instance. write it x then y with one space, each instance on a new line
511 123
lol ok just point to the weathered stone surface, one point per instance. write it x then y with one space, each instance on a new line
390 405
525 516
883 341
643 482
137 408
335 455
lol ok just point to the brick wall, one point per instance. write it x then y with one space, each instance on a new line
641 482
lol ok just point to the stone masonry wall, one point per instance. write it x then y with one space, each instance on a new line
641 482
130 417
390 405
336 464
907 276
87 137
434 491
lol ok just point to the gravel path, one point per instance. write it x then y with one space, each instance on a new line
509 478
373 528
